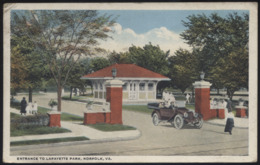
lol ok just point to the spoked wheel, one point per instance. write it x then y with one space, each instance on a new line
178 121
155 119
199 124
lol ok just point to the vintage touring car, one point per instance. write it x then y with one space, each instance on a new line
176 114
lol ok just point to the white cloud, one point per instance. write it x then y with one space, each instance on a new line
125 38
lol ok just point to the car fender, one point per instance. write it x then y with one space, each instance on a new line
158 113
172 117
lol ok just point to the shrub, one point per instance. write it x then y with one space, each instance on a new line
15 103
36 120
52 103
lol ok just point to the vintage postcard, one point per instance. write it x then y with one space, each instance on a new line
130 82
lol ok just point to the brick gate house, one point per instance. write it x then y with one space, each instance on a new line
140 84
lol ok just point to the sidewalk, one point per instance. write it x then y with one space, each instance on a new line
238 122
78 129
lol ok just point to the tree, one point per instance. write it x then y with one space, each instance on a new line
99 63
81 68
62 37
183 69
219 42
228 72
150 57
18 69
27 68
119 58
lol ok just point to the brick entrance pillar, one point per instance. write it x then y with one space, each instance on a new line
240 111
114 92
54 119
202 98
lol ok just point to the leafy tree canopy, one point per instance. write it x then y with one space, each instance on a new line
221 46
62 37
150 57
183 69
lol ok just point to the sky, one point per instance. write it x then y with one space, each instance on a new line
160 27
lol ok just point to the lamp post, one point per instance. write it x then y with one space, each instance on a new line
202 75
114 72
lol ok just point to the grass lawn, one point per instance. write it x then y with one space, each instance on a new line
47 141
190 107
34 94
43 110
35 130
73 98
69 117
138 108
64 116
111 127
77 98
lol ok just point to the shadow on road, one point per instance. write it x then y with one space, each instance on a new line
184 127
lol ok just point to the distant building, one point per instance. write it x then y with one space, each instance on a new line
140 83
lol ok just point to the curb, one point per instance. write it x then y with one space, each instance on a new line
27 147
212 123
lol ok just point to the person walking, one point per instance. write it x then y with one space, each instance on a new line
230 118
23 106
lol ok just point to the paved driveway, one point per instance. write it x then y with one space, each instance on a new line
156 140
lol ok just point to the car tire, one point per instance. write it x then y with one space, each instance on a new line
156 119
199 124
178 121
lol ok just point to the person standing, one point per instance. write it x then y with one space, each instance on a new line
23 106
230 118
34 107
188 98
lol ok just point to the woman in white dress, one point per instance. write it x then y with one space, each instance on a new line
34 107
29 108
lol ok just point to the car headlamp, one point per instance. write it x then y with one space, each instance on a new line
185 114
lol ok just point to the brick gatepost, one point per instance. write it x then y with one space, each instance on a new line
240 111
202 98
54 119
114 92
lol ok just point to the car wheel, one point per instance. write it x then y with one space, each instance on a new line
155 119
178 121
199 124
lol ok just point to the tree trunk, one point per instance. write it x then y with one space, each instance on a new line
59 97
71 88
230 93
30 94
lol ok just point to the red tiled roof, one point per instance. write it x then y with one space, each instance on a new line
124 71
